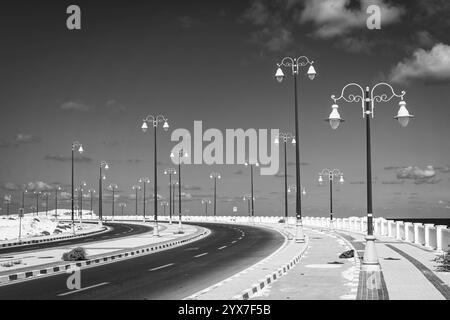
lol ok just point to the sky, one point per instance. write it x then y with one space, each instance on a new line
214 61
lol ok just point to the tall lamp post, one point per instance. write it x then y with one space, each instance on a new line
170 172
7 202
80 200
155 121
164 205
23 198
252 195
285 137
37 193
79 147
101 177
215 176
331 174
136 188
91 196
294 64
46 203
174 186
179 155
248 198
113 187
144 182
368 99
58 188
122 205
206 202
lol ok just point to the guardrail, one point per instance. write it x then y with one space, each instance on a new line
430 236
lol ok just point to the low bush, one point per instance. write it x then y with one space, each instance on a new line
444 262
76 254
281 221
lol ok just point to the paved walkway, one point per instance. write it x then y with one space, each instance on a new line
320 275
242 284
31 259
408 270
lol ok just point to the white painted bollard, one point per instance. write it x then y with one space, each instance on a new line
409 232
400 227
419 233
430 233
391 229
383 227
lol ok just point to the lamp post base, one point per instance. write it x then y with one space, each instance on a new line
155 230
370 260
180 227
170 221
100 223
331 225
299 235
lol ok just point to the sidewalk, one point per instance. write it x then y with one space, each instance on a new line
248 282
32 260
320 275
409 271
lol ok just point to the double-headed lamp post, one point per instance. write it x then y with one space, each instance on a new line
91 196
136 188
164 205
155 121
247 163
248 198
80 200
38 193
215 176
330 175
294 64
368 99
58 188
206 202
101 177
144 182
285 137
76 146
179 155
113 187
170 172
122 205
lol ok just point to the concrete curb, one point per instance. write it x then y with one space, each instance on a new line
19 244
271 277
60 268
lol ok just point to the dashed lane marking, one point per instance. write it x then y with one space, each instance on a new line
223 247
162 267
82 289
200 255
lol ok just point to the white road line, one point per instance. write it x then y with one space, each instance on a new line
223 247
82 289
199 255
233 241
161 267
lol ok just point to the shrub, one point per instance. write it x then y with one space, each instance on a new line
45 233
76 254
281 220
444 262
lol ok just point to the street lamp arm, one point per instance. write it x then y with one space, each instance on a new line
155 120
384 97
350 97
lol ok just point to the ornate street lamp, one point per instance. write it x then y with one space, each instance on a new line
330 175
144 182
170 172
248 198
179 155
294 64
215 176
122 205
285 137
57 188
136 188
76 146
206 202
101 177
368 99
113 187
155 121
251 187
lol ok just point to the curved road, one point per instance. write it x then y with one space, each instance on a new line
172 274
117 231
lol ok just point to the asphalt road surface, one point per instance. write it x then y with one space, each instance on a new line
172 274
118 231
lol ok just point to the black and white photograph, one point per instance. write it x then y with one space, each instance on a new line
232 157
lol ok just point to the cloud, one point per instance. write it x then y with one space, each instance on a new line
273 39
334 18
420 176
38 186
187 22
61 158
191 187
26 138
10 186
392 168
428 66
115 106
75 106
444 169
